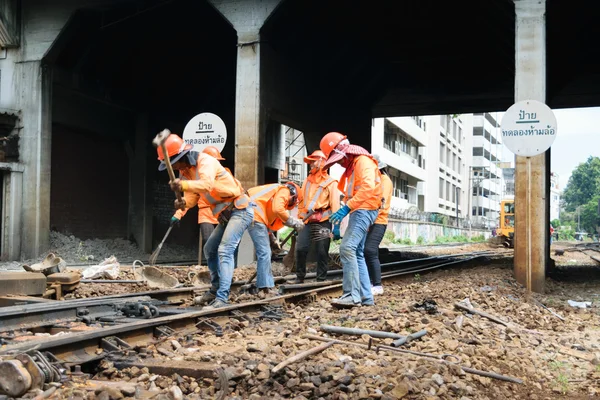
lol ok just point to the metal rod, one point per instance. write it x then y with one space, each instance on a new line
302 356
109 281
359 332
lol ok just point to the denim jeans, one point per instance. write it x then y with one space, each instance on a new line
356 276
262 245
372 243
220 248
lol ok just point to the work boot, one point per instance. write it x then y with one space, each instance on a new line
207 297
216 303
266 293
345 302
298 281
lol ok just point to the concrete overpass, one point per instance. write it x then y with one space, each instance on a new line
85 84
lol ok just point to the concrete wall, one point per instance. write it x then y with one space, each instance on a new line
429 231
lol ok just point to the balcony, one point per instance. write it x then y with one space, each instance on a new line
405 163
410 127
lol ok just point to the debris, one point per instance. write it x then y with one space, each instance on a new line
51 264
108 269
579 304
156 278
302 356
549 310
429 306
481 313
577 354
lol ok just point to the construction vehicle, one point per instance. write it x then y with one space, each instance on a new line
506 231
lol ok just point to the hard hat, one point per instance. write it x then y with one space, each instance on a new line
330 142
176 148
294 192
315 156
213 151
380 164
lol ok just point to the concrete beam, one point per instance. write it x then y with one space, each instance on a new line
531 236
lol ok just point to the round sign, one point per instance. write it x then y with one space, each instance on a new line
528 128
205 130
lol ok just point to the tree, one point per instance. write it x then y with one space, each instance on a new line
583 185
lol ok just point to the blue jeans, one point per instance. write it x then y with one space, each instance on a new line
260 237
356 280
220 248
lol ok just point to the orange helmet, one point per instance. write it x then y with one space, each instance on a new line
213 151
176 148
315 156
330 142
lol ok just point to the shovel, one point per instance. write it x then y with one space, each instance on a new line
154 255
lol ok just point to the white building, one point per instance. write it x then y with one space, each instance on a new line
429 160
487 177
554 197
400 142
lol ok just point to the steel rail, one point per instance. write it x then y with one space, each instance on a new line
81 347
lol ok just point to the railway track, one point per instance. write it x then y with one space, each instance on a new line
94 343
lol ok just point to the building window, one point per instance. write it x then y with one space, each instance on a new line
448 191
397 141
454 161
477 151
441 188
449 158
459 164
442 153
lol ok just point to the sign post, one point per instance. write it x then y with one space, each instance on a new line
205 130
528 129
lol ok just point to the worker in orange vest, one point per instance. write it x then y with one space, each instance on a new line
203 176
272 204
320 199
361 185
206 220
377 231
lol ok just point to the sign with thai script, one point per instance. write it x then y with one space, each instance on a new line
528 128
205 130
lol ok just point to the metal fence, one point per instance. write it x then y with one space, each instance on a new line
414 214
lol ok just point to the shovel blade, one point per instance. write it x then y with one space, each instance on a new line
289 261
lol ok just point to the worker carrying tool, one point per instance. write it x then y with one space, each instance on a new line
361 185
320 199
203 176
272 204
377 230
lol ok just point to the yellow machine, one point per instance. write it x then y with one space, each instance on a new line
506 232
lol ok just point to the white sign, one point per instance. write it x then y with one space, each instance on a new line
205 130
528 128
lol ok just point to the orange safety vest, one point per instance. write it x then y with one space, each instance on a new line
388 187
311 199
225 191
264 213
353 185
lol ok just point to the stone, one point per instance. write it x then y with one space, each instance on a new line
144 378
292 383
400 390
112 392
437 378
262 367
175 393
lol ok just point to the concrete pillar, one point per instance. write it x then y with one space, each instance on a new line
140 188
530 183
12 191
34 80
247 17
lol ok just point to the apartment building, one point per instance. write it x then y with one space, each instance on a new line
400 142
554 197
487 180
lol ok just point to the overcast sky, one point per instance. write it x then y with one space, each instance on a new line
578 137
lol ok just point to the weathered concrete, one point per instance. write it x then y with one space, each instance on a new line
247 18
530 173
11 211
23 283
429 231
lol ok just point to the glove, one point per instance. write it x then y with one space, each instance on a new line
174 221
176 185
295 224
336 232
339 215
180 205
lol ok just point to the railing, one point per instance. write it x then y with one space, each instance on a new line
414 214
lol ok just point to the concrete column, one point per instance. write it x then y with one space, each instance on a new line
140 188
247 17
12 191
34 81
530 184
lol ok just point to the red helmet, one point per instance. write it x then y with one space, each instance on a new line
213 151
330 142
315 156
175 145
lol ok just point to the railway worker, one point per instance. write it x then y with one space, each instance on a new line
377 231
207 222
272 204
361 185
320 199
203 176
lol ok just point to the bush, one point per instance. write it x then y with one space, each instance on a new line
407 241
478 238
389 236
420 240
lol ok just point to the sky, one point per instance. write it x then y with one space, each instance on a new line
577 138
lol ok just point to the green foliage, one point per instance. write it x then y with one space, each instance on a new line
390 236
478 238
421 240
583 185
407 241
555 223
417 277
